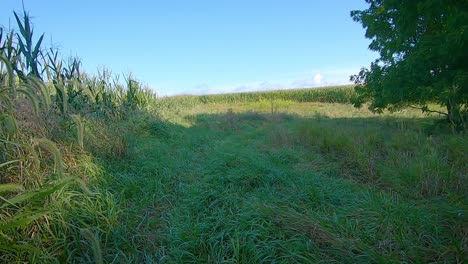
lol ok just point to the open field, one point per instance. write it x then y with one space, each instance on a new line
242 180
307 183
98 169
94 170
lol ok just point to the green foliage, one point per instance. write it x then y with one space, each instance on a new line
321 182
52 148
95 245
20 210
29 50
395 155
79 129
422 47
295 176
46 206
329 95
340 94
157 128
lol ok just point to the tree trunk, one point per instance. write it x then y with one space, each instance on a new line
454 115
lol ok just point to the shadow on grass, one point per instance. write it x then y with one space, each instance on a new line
240 187
418 157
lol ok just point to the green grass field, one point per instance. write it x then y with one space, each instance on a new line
257 178
96 170
302 183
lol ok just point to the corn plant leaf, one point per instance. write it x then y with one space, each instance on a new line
47 70
37 47
20 24
29 32
23 50
10 48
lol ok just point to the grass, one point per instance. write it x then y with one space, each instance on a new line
227 183
94 170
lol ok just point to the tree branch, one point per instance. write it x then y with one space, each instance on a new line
425 109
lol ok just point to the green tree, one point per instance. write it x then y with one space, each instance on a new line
423 56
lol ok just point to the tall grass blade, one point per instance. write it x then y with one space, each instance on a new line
10 187
22 220
20 248
95 245
7 163
40 86
9 69
18 199
79 129
36 195
52 148
33 99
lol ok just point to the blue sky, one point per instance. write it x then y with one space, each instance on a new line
203 46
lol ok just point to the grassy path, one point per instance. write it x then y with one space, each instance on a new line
240 188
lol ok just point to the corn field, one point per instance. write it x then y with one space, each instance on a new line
44 101
97 169
339 94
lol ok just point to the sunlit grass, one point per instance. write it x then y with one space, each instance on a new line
307 183
93 170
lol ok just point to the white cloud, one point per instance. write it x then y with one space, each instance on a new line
318 79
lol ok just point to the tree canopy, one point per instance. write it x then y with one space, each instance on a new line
423 56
